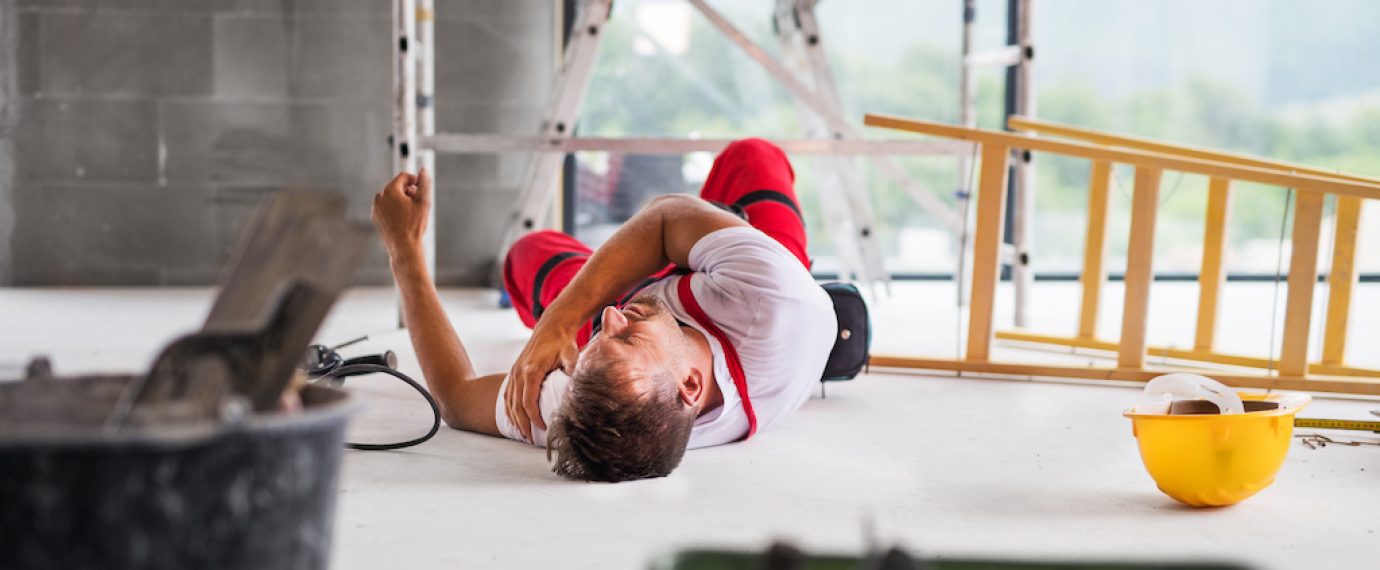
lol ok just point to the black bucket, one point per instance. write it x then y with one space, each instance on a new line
254 494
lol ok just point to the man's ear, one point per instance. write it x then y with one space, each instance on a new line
692 387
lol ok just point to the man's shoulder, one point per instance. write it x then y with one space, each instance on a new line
746 255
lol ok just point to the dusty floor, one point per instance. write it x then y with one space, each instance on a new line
944 466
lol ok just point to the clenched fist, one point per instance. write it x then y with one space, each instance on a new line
400 213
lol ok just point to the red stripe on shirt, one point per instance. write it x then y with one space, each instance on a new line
735 366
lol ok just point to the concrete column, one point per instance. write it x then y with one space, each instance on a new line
9 101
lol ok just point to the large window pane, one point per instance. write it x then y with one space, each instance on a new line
1277 78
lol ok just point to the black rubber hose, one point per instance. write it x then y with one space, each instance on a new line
358 369
386 359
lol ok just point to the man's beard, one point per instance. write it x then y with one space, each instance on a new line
656 309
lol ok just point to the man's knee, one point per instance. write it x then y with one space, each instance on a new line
522 253
752 149
757 152
532 241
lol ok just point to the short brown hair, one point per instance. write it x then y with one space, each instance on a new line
607 431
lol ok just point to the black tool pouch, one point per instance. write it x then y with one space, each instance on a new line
854 340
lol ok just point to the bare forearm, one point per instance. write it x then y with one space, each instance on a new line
661 233
631 254
445 363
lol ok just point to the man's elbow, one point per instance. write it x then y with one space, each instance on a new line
452 420
675 202
459 418
448 411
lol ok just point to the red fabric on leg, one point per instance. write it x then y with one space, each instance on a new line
749 165
525 260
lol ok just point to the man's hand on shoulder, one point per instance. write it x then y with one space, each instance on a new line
400 213
552 346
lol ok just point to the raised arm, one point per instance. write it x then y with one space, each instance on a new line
662 233
465 398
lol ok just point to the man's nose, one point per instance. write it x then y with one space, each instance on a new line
614 321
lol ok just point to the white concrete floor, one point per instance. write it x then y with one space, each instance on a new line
943 466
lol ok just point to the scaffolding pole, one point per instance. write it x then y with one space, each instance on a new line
558 120
404 139
463 143
1023 202
847 209
1018 59
967 116
426 116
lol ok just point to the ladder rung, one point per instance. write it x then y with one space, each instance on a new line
1005 57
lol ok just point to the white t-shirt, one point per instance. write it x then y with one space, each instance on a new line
779 320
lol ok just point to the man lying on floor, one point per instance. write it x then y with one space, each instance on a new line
644 358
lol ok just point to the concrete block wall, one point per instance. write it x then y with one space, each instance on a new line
137 136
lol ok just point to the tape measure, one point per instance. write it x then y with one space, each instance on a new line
1319 423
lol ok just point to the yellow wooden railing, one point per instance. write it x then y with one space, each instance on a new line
1150 159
